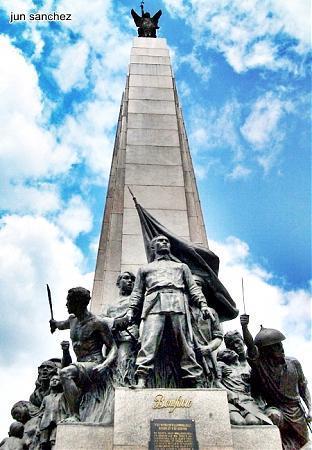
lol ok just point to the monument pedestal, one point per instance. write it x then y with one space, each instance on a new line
174 413
84 436
134 410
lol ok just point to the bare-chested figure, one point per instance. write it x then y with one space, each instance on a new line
88 334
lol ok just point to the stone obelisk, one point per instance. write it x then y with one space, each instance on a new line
152 157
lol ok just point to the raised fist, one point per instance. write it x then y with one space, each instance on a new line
65 345
52 325
244 320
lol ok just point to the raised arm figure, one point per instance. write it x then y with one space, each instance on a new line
248 339
88 334
281 383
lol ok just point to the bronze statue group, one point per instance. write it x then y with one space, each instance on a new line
160 332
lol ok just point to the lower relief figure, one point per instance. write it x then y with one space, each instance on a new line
244 410
15 440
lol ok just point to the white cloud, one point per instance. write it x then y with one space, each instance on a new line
93 23
261 126
40 199
202 70
176 7
247 32
33 34
29 150
89 133
71 69
242 142
17 6
239 172
184 89
216 129
200 171
76 218
23 382
295 19
94 62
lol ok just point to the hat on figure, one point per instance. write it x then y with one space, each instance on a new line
268 336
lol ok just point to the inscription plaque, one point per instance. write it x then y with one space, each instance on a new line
175 434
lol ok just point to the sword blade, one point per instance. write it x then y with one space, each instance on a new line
243 292
50 301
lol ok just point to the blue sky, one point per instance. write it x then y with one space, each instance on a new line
242 71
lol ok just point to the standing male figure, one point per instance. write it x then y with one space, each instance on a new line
88 334
126 340
162 290
280 382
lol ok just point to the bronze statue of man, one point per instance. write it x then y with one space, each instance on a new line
280 382
126 339
207 337
162 292
88 334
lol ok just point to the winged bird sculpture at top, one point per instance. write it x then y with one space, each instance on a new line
146 24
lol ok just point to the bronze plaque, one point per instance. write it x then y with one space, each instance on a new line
167 434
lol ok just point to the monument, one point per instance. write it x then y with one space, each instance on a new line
147 376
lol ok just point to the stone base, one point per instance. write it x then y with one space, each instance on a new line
135 408
256 437
84 436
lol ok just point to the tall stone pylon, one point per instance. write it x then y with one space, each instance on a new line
151 156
